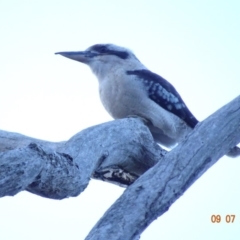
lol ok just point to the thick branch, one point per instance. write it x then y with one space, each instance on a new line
117 151
163 184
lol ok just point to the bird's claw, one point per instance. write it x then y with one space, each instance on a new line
144 120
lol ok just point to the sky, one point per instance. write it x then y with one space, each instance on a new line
193 44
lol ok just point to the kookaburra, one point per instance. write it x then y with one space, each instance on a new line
128 88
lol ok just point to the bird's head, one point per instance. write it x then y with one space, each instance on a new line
103 58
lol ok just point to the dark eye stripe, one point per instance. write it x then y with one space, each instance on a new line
105 50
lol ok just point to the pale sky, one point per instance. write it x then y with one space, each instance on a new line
193 44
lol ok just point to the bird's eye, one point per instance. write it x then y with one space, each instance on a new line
99 48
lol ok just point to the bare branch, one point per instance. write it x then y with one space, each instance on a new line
156 190
118 152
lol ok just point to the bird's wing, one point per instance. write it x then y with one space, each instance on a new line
165 95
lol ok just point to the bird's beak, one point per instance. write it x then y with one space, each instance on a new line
84 57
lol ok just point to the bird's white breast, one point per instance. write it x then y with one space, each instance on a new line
121 95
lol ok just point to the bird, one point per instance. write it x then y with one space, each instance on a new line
128 88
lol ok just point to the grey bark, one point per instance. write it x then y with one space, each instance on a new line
162 185
117 151
120 152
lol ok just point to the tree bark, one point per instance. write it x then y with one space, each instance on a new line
156 190
119 151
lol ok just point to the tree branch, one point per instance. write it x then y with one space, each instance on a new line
160 186
117 151
120 152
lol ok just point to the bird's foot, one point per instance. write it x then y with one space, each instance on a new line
144 120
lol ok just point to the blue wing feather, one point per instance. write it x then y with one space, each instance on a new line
163 93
